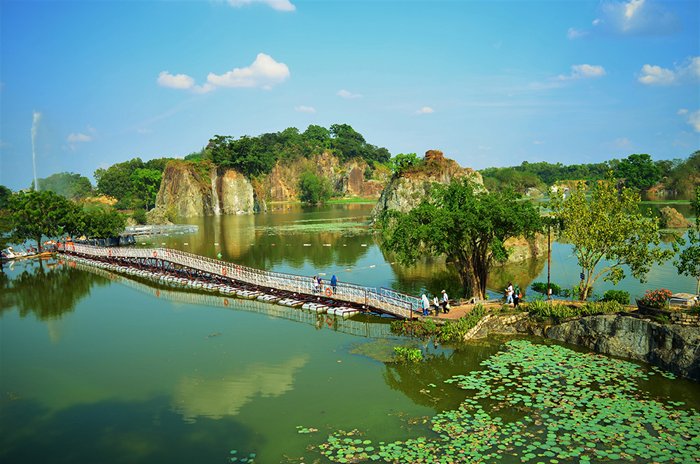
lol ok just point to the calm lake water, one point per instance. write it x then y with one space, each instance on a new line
99 368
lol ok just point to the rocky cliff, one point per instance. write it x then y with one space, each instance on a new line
201 189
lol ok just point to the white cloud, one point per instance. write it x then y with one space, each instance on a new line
305 109
279 5
347 94
637 17
425 110
682 111
622 142
537 142
583 71
656 75
78 137
694 120
175 81
574 33
596 21
264 72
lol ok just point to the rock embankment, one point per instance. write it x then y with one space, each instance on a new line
672 347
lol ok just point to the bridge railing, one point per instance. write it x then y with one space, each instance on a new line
387 300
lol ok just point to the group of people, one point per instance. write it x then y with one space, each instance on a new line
317 283
442 303
513 295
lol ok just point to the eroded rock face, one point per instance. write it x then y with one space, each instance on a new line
405 192
236 193
671 218
185 191
673 347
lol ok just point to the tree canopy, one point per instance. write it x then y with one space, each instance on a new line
131 182
67 184
464 224
254 156
608 232
314 189
639 171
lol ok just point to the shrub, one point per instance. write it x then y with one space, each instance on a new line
557 311
656 298
408 355
454 331
419 328
620 296
139 216
313 189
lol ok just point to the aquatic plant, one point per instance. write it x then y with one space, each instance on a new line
620 296
571 407
454 331
407 355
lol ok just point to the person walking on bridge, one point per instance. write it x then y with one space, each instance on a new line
426 304
445 302
334 283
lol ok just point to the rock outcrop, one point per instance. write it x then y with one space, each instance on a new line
201 189
671 218
672 347
405 191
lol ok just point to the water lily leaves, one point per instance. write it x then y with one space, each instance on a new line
570 406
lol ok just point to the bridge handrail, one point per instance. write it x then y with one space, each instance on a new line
383 298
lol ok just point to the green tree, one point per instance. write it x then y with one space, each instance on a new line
67 184
313 189
102 223
39 214
638 171
688 262
404 161
5 194
466 225
145 184
115 181
608 232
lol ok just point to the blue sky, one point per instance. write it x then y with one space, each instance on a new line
491 83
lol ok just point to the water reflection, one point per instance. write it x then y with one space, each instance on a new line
217 397
46 289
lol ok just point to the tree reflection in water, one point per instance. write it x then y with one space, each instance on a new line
46 289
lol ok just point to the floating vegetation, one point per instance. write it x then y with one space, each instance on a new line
302 429
544 403
344 226
235 457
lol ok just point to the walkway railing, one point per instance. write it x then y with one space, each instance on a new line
320 321
383 299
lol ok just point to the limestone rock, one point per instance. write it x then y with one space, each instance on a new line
405 192
671 218
236 193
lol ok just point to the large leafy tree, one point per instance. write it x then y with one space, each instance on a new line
146 183
608 233
313 189
688 262
35 215
639 171
68 184
464 223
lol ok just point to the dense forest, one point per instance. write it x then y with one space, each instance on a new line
638 171
254 156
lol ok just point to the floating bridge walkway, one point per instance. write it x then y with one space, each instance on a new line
362 328
166 260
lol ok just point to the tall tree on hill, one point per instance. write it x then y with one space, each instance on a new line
466 225
608 232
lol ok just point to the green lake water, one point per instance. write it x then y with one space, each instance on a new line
99 368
